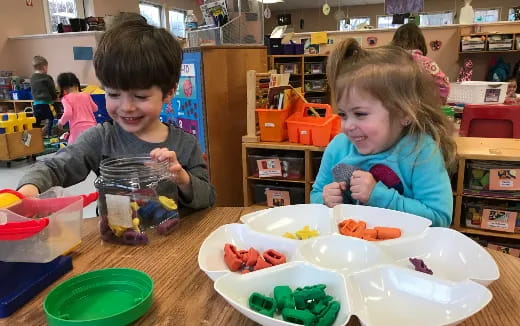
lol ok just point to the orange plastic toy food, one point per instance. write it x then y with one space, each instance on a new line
359 230
250 260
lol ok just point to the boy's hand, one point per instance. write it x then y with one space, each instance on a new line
179 175
29 190
333 193
361 185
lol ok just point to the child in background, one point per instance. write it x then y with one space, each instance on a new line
410 37
394 135
43 92
78 108
512 97
139 66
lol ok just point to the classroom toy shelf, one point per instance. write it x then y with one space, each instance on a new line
472 195
307 71
17 105
300 166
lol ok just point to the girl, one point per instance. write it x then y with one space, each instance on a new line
410 37
78 108
394 135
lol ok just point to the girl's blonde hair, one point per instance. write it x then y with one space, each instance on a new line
391 75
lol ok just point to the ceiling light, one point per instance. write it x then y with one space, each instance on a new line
271 1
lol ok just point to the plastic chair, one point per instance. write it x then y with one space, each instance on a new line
491 121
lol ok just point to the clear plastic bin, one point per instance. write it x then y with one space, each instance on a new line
61 235
473 210
293 167
477 175
312 68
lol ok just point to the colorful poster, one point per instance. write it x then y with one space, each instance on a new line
186 108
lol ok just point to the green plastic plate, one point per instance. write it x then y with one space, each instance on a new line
106 297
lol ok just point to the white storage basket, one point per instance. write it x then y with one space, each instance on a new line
478 92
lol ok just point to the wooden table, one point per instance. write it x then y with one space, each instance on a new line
184 295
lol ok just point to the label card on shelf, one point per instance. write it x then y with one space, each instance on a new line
504 179
269 168
277 198
498 220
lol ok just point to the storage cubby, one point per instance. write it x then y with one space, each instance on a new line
476 158
299 163
307 71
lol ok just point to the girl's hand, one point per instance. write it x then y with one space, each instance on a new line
361 185
333 193
179 175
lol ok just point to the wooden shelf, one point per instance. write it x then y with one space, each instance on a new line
326 92
470 195
490 51
487 233
488 149
275 180
482 149
285 146
316 74
16 101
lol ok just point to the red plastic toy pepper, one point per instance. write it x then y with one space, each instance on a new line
274 257
232 257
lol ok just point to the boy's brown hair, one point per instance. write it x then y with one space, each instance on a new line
135 55
410 37
390 75
39 62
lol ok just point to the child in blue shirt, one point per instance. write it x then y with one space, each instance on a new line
393 134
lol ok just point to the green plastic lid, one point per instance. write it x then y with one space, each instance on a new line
112 296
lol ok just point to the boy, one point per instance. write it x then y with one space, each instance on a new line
139 67
43 92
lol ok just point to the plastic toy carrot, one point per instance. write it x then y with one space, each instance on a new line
252 257
385 233
261 264
232 257
273 257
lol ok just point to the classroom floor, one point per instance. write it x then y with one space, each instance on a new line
9 178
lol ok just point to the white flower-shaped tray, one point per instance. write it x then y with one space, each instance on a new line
372 280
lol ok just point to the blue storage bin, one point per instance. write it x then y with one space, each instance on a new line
102 113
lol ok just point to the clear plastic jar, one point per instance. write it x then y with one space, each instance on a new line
133 200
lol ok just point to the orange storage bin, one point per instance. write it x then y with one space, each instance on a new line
272 124
306 128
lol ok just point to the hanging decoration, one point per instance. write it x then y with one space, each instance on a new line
435 45
339 14
325 8
372 40
267 13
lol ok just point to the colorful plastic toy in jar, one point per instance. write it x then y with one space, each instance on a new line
135 195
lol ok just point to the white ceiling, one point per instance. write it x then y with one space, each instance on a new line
300 4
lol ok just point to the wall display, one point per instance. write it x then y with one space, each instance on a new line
435 45
185 109
393 7
371 40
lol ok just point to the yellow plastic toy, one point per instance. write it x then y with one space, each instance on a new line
306 233
167 203
8 199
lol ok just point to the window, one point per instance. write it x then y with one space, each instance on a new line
59 12
386 22
151 12
354 23
176 20
436 18
487 15
511 14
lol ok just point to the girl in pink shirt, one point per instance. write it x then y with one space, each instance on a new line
410 37
78 107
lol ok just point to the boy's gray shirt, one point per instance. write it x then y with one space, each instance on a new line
42 87
72 164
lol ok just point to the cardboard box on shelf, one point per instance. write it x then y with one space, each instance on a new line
20 144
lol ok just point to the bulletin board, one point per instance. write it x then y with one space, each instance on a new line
186 108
